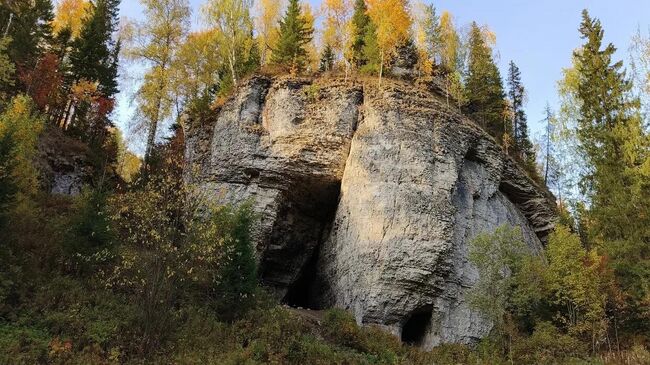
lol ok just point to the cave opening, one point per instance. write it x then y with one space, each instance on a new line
415 328
290 264
304 292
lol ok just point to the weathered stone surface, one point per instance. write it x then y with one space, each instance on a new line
63 163
367 200
283 144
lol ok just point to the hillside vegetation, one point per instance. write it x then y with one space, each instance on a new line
137 270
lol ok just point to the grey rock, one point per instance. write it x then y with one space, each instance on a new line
367 200
63 163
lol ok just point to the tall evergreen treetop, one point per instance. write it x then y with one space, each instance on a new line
94 55
484 87
523 148
617 149
295 34
360 25
604 91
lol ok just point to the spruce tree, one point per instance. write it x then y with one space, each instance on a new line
294 35
28 24
360 29
484 87
523 147
327 59
617 149
94 54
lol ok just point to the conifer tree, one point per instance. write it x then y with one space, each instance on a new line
295 34
94 54
617 149
484 87
327 59
360 28
28 24
523 147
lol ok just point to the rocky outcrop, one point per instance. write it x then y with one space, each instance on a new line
367 198
63 163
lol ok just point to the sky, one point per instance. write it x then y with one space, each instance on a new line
539 36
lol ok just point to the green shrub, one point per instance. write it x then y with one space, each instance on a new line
547 345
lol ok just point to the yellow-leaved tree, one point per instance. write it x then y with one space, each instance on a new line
450 59
336 32
70 14
268 16
312 52
196 71
232 20
393 22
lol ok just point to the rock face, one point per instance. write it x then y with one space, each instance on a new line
63 163
367 199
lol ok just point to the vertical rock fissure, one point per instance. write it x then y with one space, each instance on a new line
306 290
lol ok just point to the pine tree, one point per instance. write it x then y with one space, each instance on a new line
484 87
295 34
327 59
523 147
617 150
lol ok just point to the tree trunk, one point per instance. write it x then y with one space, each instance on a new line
381 68
232 61
11 18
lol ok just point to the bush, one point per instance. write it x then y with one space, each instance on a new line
547 345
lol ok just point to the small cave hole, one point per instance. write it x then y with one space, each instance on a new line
415 329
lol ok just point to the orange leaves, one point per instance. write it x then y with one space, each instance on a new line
84 90
43 82
59 349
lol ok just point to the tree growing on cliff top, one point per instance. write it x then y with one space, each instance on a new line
427 36
336 33
359 25
270 12
232 20
295 34
484 87
523 147
393 24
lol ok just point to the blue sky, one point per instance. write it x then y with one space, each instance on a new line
538 35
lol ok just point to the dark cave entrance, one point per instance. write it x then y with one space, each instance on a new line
415 328
290 264
304 293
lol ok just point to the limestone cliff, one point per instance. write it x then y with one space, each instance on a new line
367 198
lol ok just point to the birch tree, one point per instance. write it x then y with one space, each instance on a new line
232 19
153 43
393 24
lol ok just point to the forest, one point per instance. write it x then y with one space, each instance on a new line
131 271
